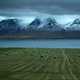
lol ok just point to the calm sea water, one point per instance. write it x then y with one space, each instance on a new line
54 43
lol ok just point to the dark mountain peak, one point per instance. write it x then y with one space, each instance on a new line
50 24
33 26
9 22
36 22
50 20
74 26
9 26
76 21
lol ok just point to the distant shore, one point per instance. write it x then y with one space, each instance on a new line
43 35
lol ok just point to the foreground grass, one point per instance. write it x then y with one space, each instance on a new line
39 64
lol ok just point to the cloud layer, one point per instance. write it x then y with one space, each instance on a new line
45 6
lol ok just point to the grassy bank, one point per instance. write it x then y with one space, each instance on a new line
39 64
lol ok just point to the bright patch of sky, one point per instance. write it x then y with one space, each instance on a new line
25 20
2 18
64 19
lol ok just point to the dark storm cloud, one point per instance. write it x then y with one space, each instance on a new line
47 6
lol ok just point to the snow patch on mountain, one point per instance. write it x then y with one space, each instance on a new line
50 24
74 25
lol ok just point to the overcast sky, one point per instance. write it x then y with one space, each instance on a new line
44 6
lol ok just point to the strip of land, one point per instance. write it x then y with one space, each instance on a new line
39 64
42 35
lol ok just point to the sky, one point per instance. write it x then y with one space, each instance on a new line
64 11
43 6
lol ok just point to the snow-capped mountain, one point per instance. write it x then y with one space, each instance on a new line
34 25
9 26
50 25
73 26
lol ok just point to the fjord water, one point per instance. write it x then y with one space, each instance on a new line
40 43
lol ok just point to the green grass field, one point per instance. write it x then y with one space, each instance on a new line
39 64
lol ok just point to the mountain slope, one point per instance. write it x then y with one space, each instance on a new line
50 25
9 26
33 26
73 26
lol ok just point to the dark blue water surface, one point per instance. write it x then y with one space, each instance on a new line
50 43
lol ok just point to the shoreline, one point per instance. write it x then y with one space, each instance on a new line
42 35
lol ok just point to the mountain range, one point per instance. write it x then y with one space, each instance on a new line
12 25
